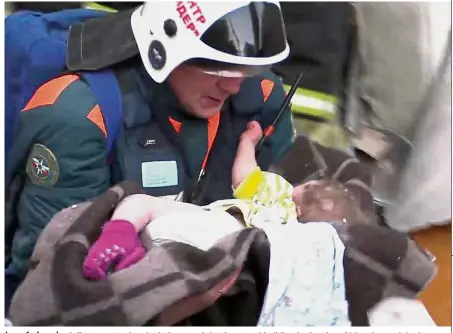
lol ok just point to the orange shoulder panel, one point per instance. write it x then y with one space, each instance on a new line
266 88
49 92
176 124
95 115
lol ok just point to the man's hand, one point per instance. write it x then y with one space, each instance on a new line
245 160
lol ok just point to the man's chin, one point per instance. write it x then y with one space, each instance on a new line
205 113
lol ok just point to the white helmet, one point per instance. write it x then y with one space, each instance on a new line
222 38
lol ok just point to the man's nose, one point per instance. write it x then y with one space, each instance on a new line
230 85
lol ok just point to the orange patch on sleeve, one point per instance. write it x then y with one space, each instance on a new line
266 88
95 115
49 92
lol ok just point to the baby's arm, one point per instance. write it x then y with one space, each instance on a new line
268 190
264 186
119 246
252 184
141 209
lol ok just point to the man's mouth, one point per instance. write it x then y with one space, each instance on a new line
214 99
212 102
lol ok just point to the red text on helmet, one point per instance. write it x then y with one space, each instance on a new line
191 14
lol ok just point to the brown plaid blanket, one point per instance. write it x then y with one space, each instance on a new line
177 284
379 263
173 281
302 162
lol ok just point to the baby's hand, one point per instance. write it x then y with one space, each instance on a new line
252 134
245 161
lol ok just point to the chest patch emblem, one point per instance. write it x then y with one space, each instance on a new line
42 166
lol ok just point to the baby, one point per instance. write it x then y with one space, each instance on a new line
259 196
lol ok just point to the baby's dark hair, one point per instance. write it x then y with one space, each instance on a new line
331 201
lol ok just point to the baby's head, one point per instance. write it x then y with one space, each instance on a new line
327 201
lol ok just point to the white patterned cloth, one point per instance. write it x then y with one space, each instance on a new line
306 278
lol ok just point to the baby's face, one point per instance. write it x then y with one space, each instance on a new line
299 192
325 200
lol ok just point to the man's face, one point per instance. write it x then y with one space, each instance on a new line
202 94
